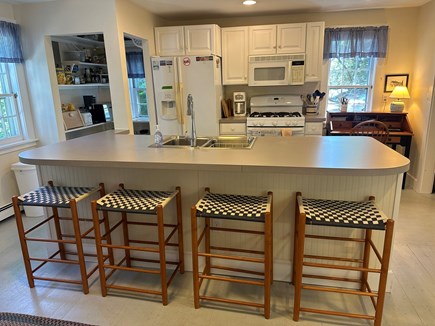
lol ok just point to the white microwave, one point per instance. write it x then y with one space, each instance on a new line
276 70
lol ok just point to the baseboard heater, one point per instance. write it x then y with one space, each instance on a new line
6 211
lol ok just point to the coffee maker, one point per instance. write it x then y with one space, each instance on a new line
239 103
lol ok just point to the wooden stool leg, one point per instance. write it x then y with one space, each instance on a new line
207 269
267 263
126 238
107 226
298 261
98 241
366 259
23 243
295 242
180 230
58 230
384 271
162 253
195 272
79 245
270 193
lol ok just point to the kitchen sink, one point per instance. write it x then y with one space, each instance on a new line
236 142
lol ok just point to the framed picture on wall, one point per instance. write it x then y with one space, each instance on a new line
392 81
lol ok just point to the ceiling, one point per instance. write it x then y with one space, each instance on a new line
192 9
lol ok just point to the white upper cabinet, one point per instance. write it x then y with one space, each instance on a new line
169 40
291 38
273 39
188 40
314 51
235 55
262 39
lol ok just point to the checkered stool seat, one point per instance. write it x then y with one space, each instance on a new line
55 196
355 214
235 207
138 201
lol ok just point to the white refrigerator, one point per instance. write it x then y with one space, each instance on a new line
176 77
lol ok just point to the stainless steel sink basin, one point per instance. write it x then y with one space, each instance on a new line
180 141
235 142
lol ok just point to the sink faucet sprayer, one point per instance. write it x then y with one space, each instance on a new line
192 115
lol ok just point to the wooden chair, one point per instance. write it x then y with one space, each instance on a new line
69 243
246 209
136 249
371 128
348 214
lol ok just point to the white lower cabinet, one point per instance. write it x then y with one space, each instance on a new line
313 128
232 128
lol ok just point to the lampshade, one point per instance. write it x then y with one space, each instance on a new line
399 92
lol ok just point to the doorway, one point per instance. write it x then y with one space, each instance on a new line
137 83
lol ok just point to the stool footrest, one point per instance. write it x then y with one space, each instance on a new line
337 313
350 268
257 252
127 288
248 259
132 269
323 277
337 290
57 280
232 280
244 303
239 270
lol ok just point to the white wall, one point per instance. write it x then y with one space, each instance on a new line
422 109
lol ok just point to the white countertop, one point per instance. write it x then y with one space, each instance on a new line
332 155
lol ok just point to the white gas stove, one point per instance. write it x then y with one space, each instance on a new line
276 115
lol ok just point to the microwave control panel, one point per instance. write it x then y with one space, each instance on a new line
297 72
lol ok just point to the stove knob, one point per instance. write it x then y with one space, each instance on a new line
261 124
274 123
287 123
255 123
294 123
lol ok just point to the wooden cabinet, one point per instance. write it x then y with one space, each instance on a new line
291 38
314 51
276 39
235 55
188 40
169 40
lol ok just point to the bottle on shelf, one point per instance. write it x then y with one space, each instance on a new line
158 137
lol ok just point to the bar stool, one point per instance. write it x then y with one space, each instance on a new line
142 202
240 208
350 214
58 197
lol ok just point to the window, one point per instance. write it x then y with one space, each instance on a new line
11 119
351 78
352 53
138 97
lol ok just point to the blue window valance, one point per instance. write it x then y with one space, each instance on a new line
135 67
348 42
10 43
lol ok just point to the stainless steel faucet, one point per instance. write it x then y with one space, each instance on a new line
191 113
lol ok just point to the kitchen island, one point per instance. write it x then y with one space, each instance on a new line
348 168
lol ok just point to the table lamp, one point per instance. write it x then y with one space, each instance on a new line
399 93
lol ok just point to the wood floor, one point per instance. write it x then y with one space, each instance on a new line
412 301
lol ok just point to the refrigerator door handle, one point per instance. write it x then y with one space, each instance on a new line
179 93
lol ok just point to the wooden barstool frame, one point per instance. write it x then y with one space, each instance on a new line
61 239
208 254
127 247
377 298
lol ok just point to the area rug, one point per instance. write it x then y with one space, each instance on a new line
12 319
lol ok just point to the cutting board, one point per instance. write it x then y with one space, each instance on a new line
225 109
72 119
